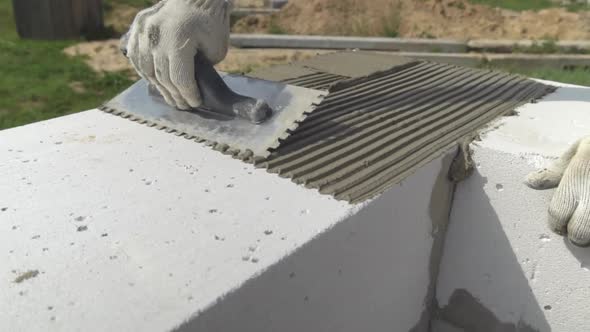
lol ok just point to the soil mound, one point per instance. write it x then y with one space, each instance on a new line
456 19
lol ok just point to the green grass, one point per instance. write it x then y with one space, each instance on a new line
579 76
548 46
544 47
39 82
520 5
7 29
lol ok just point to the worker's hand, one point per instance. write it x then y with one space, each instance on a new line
569 212
164 39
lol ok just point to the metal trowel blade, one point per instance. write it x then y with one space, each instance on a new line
290 103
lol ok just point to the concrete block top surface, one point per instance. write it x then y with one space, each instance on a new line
109 225
546 128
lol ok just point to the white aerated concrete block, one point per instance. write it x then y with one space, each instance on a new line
370 272
108 225
503 269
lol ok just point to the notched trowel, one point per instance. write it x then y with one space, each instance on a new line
243 113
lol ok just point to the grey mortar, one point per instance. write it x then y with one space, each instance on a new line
441 200
372 131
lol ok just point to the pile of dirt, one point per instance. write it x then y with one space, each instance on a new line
104 56
120 16
456 19
101 56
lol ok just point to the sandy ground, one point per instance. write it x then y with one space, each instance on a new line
457 19
120 16
104 56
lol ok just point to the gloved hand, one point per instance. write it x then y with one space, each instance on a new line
569 212
164 39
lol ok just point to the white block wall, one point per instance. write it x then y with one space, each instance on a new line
502 269
370 272
127 228
132 229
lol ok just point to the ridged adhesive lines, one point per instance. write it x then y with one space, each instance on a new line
362 138
373 126
417 158
354 117
321 81
390 134
400 145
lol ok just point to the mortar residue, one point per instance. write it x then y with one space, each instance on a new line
466 311
440 209
462 166
26 276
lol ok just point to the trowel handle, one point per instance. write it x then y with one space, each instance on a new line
218 97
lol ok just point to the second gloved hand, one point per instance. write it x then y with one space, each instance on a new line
569 212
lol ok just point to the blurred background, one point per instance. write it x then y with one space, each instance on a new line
61 56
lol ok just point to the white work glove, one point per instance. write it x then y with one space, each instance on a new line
164 39
569 211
